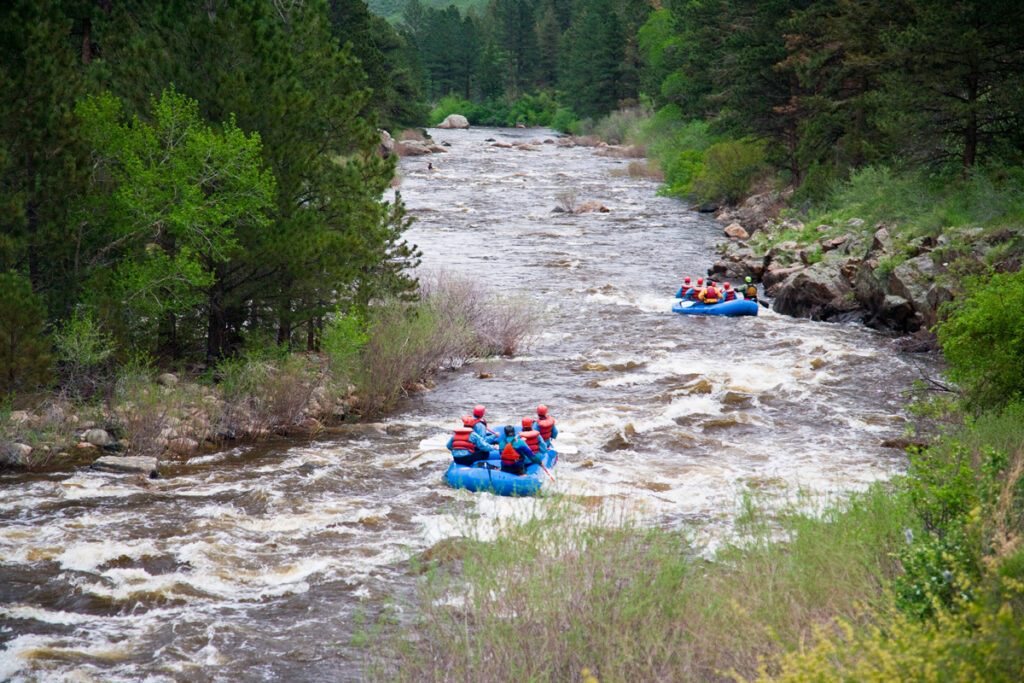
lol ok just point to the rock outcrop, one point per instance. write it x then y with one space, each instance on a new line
849 273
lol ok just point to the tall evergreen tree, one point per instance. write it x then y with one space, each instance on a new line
592 52
41 160
955 81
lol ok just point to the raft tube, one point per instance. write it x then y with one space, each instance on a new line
730 308
486 475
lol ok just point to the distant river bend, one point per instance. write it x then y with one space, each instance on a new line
252 564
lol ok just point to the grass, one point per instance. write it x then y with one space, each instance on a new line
563 591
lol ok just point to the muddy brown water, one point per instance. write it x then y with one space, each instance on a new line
254 563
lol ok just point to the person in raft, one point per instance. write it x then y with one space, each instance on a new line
467 446
515 453
479 424
750 292
537 444
709 295
694 291
728 293
545 425
684 289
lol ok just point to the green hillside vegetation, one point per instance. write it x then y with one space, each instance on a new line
392 9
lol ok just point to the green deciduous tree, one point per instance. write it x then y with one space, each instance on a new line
175 197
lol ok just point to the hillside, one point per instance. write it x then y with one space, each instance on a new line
392 9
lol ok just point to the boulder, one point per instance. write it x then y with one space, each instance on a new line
128 464
14 455
167 379
386 146
413 148
916 280
98 437
819 292
454 121
735 231
774 276
730 270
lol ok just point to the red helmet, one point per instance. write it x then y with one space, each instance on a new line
542 410
686 279
527 423
700 281
728 285
468 421
478 410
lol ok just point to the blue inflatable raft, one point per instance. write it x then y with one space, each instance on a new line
486 475
730 308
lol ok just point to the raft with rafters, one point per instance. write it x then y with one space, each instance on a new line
735 307
486 475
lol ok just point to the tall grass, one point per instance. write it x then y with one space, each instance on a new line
926 203
562 592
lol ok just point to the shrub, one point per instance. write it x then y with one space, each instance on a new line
24 352
450 104
623 126
729 169
264 388
983 339
84 352
344 338
563 119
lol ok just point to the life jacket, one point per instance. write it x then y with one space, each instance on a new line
461 440
531 438
710 295
751 292
730 294
546 425
509 455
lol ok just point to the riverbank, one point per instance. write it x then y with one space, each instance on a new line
366 366
889 273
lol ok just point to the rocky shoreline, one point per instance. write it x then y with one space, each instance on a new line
851 272
168 419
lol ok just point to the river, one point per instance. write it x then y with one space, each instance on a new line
257 563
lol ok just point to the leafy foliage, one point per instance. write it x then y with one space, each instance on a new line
728 170
983 339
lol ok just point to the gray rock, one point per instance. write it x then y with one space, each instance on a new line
128 464
819 292
454 121
168 379
98 437
14 455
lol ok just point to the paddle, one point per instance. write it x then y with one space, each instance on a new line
546 470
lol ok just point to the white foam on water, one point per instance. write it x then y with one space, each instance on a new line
86 556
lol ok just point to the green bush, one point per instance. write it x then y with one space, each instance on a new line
983 339
729 170
84 353
343 340
24 351
451 104
563 119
